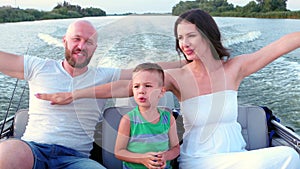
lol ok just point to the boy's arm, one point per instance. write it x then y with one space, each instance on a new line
121 152
173 152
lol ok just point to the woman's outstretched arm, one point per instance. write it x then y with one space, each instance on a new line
117 89
250 63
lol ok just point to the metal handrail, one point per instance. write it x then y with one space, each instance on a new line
287 135
9 106
7 130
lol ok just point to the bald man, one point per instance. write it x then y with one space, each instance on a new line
58 136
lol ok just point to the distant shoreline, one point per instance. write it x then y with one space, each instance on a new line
269 15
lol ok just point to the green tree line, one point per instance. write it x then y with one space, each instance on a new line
61 11
256 9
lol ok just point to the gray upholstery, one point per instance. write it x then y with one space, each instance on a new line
110 125
251 118
254 126
20 122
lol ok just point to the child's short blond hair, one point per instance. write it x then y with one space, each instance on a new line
151 67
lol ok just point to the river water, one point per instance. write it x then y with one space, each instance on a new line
125 41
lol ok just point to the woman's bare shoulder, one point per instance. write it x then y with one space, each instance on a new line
176 70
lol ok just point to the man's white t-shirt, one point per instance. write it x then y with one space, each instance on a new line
71 125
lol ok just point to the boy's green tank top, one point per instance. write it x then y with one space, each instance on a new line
146 136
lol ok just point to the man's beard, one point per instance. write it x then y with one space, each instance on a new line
72 61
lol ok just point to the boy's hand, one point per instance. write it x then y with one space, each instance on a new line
152 161
162 159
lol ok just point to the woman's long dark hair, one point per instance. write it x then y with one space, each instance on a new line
207 27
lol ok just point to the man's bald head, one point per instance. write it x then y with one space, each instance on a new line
82 24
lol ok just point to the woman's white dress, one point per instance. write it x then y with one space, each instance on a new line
213 139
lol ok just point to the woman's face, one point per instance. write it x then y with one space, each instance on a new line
191 42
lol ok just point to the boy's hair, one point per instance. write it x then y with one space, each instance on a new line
151 67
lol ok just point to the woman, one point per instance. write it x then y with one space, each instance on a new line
207 89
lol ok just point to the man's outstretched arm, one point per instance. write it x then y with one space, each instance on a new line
12 65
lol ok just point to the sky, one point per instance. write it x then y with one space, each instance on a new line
120 6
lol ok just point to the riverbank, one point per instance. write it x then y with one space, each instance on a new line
18 15
61 11
268 15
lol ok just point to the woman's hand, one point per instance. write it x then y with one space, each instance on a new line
56 98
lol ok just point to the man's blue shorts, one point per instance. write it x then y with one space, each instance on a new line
56 156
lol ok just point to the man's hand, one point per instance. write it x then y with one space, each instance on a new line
56 98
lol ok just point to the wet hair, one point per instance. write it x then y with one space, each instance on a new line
150 67
207 27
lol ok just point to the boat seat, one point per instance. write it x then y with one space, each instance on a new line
251 118
254 126
20 123
110 124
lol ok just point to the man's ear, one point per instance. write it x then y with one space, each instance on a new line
64 41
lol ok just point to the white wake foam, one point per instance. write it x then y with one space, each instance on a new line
50 40
241 38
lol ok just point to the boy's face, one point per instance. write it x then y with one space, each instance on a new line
147 88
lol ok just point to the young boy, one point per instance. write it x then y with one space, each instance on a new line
147 136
